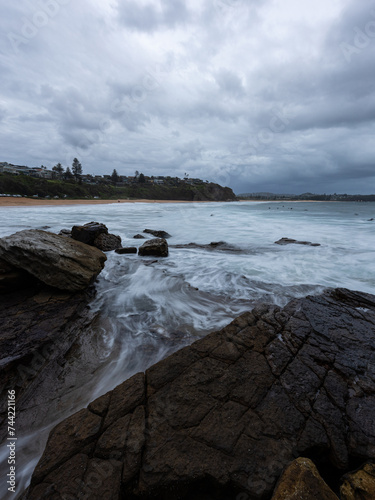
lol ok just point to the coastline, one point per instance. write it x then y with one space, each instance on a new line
32 202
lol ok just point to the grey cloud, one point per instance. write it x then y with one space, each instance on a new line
152 16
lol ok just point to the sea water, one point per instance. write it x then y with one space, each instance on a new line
150 307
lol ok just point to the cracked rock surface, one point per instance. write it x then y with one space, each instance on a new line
227 414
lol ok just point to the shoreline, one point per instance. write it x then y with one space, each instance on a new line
32 202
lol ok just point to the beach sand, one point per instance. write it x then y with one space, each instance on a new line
9 201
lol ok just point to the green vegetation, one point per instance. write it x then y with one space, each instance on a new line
26 185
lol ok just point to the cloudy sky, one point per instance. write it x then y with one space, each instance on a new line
260 95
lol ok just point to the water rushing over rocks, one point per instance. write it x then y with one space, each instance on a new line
145 308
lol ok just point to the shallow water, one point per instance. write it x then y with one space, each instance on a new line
150 307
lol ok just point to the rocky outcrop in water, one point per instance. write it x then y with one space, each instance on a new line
126 250
289 241
55 260
158 234
96 234
157 247
228 414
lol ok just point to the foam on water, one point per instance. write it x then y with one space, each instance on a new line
150 307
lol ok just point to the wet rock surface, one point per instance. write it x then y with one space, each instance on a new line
226 415
96 234
214 245
289 241
55 260
125 250
157 247
157 234
360 484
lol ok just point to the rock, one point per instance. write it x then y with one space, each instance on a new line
359 485
96 234
65 232
158 234
139 237
157 247
214 245
88 232
230 412
125 250
288 241
107 242
301 480
55 260
12 279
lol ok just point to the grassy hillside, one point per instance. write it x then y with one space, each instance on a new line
30 186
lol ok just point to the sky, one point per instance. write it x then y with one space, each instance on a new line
258 95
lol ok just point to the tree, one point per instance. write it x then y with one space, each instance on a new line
115 177
68 174
136 173
58 170
76 169
141 178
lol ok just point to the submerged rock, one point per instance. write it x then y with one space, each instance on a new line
126 250
288 241
230 412
139 237
158 234
157 247
55 260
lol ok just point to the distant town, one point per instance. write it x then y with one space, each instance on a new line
59 173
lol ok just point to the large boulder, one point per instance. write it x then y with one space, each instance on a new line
55 260
96 234
226 415
107 242
157 247
88 232
11 278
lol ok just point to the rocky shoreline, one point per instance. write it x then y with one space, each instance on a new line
282 400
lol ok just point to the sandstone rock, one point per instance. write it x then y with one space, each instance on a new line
88 232
288 241
126 250
230 412
359 485
107 242
157 247
158 234
55 260
301 480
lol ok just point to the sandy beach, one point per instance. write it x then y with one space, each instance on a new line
37 202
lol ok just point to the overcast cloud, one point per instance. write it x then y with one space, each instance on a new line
260 95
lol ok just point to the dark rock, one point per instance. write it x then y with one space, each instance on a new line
88 232
359 485
125 250
107 242
288 241
65 232
55 260
370 220
158 234
12 279
301 479
214 245
139 237
157 247
230 412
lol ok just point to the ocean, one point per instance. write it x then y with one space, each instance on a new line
151 307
